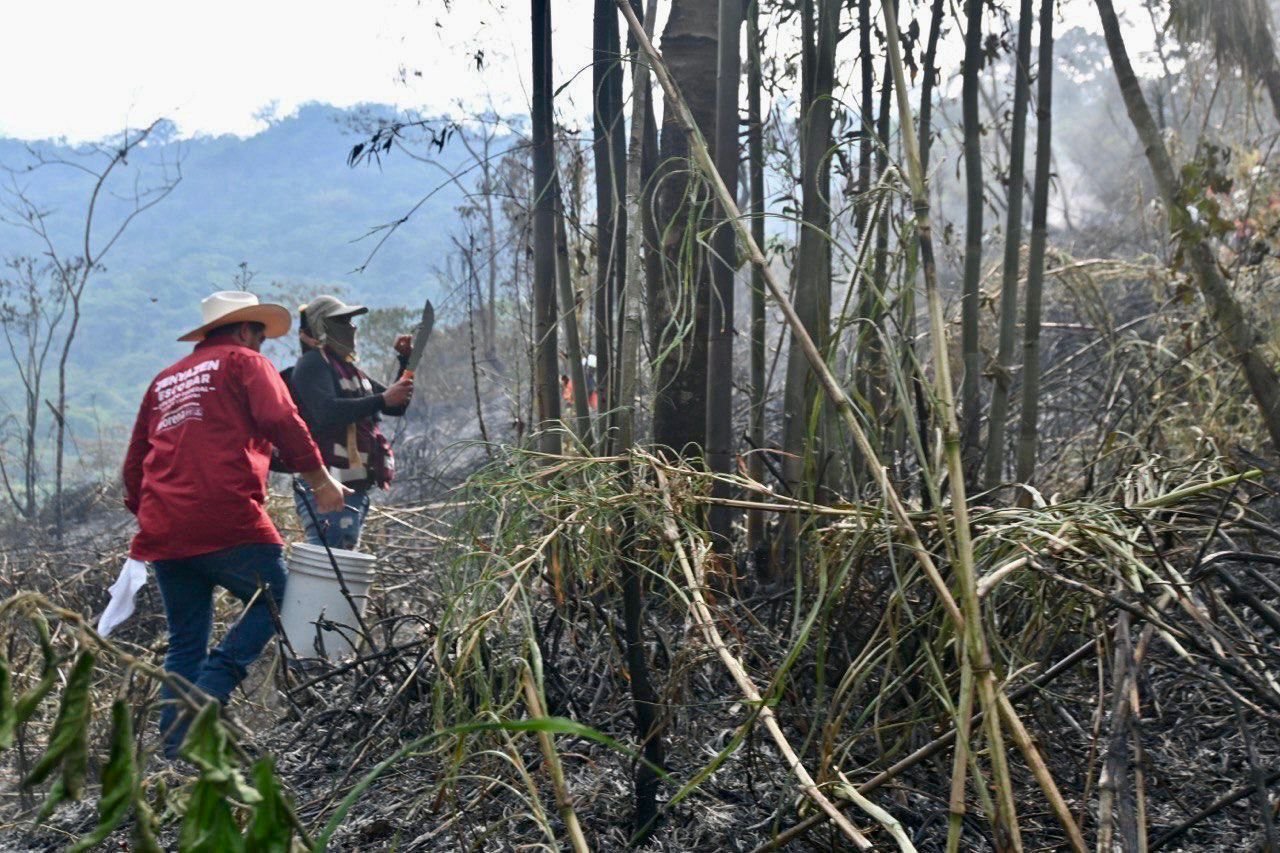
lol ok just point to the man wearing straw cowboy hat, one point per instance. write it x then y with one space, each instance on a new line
195 477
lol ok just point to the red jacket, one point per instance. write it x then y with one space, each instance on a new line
196 471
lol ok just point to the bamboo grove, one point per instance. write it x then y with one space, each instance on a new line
893 427
901 515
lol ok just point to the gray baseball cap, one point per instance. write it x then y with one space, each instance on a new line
326 307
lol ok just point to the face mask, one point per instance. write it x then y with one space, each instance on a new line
340 338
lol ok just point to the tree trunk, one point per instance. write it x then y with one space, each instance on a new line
755 169
546 374
60 413
643 695
1012 251
569 316
865 147
610 154
1271 80
678 315
1027 429
491 229
724 264
803 429
1236 329
970 392
926 86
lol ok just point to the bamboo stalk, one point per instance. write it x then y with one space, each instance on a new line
1012 253
1114 765
701 614
554 769
929 750
977 654
1034 760
546 386
702 158
569 318
960 758
755 169
648 725
1028 421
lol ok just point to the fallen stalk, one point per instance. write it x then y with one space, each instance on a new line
927 751
1212 809
702 616
991 579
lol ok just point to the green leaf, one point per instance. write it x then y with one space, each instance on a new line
46 640
205 745
119 779
209 826
69 743
8 719
29 701
270 831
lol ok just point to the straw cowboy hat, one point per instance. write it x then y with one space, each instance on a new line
236 306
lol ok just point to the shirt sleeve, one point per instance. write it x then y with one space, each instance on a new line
321 406
139 446
275 415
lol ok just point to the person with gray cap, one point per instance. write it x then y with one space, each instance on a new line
342 406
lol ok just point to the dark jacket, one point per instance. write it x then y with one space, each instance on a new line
341 404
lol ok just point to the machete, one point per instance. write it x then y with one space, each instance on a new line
420 339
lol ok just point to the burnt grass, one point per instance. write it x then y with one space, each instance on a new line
1201 731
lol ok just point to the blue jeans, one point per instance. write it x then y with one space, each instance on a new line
187 587
337 529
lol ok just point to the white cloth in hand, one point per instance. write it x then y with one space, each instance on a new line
133 577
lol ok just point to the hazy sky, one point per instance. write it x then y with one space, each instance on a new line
83 69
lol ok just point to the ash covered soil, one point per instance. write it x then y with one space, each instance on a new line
1201 729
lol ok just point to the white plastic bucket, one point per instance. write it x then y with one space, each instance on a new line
313 591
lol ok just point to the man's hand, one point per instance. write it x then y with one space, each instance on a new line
400 392
404 345
330 495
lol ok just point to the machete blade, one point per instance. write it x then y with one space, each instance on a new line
420 338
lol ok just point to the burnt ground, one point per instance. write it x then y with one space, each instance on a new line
1202 730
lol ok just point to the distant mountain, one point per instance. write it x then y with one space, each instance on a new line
284 202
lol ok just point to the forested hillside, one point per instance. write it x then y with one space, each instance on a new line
283 202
